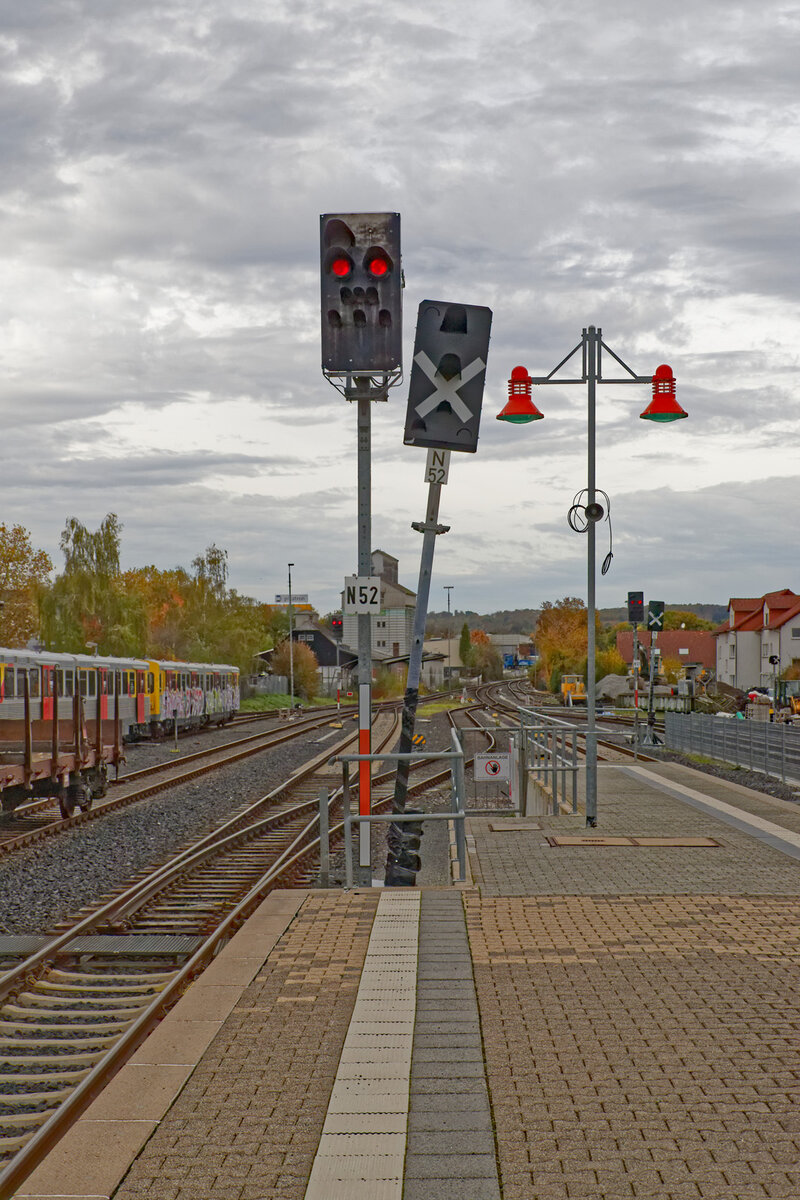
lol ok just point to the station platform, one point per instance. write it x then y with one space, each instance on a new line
614 1018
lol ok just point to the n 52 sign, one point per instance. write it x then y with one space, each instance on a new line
362 594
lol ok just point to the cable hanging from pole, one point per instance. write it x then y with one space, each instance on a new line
580 516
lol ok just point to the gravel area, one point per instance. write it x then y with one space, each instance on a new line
751 779
52 881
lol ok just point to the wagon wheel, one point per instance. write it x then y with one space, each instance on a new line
76 796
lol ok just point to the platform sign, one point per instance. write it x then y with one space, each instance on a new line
492 765
362 594
437 468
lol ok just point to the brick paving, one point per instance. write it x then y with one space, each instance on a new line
247 1124
641 1046
639 1007
522 864
627 1026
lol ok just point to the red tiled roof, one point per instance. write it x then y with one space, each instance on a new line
786 614
699 645
749 613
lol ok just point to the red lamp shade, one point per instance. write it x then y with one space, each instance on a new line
663 407
520 408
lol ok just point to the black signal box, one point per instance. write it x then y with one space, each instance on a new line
635 607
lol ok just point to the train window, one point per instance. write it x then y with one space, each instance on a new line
9 690
151 682
82 682
66 682
92 682
33 676
170 679
103 683
124 683
131 683
47 681
139 682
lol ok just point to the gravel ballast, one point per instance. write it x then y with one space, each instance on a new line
53 880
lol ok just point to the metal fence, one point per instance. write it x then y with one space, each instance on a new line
549 758
773 749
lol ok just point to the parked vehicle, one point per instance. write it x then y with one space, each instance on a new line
64 718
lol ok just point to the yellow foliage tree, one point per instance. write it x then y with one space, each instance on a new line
23 571
561 636
303 664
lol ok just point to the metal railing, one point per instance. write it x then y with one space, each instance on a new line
773 749
457 798
549 754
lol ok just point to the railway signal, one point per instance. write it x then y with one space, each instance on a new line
635 608
445 391
361 303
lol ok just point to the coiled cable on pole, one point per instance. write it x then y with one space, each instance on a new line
580 516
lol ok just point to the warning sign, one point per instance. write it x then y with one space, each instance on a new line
492 765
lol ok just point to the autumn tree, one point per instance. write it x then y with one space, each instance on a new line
676 618
23 572
561 637
88 603
303 664
609 662
484 656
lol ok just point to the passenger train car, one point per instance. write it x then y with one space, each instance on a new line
64 717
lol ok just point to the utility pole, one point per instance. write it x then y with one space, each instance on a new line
291 648
448 587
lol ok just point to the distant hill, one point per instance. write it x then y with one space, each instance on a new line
523 620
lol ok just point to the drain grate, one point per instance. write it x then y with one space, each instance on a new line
587 840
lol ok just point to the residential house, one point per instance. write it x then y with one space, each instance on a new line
758 629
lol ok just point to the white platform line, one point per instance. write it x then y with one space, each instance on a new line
363 1145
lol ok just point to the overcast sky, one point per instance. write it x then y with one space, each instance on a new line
632 166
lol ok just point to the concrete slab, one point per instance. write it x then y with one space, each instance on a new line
92 1158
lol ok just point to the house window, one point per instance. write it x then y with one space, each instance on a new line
796 631
731 652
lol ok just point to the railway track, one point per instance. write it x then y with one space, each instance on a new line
79 1003
496 695
75 1006
44 818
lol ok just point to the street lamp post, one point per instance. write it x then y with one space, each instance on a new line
520 410
448 587
291 648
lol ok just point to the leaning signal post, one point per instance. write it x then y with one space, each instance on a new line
445 396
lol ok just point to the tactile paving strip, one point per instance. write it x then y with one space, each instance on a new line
363 1144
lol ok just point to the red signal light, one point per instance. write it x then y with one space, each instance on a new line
378 266
341 267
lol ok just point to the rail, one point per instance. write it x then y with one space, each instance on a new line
756 745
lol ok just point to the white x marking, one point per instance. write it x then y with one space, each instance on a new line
447 389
